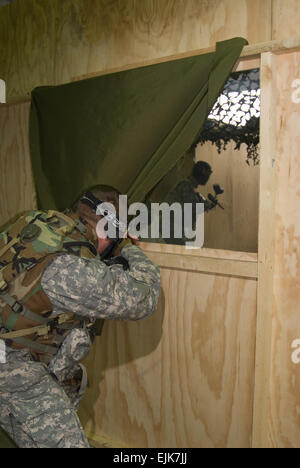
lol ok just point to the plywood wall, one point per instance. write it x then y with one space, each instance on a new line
285 19
284 414
185 376
51 41
277 381
235 227
17 191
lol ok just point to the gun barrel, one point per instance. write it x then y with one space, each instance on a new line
214 200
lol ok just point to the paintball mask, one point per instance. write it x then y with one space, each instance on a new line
119 228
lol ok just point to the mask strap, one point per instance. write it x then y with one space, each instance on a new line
89 199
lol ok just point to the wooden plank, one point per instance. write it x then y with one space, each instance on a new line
183 377
199 253
247 63
224 262
284 414
285 19
14 103
281 46
265 249
249 53
249 58
244 63
188 263
154 29
50 42
16 181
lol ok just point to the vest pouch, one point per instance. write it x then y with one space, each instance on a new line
27 241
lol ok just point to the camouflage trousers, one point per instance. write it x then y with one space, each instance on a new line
35 411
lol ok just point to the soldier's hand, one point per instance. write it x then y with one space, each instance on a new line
134 239
129 240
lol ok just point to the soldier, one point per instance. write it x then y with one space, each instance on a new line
66 290
185 192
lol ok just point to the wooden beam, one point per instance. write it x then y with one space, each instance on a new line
149 247
222 262
247 52
266 242
251 51
286 45
205 265
15 103
247 63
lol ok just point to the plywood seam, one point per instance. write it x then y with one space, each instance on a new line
228 267
213 273
220 254
207 258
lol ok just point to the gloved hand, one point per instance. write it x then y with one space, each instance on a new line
127 241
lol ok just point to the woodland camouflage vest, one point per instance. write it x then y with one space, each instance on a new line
26 247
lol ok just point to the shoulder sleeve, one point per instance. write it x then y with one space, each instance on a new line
183 193
141 268
91 289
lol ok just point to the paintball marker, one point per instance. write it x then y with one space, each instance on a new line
213 199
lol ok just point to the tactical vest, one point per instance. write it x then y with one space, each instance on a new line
26 248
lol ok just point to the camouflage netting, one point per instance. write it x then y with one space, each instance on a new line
235 116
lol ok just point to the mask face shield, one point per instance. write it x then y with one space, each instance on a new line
116 228
204 177
109 226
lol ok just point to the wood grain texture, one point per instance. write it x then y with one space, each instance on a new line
188 262
183 377
46 42
284 417
247 63
219 254
266 233
285 19
236 227
16 182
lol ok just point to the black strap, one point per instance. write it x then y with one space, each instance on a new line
89 245
89 199
119 260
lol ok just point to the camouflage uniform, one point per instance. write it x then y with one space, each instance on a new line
34 409
37 407
184 192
